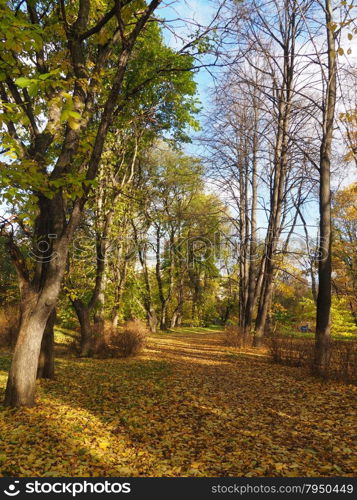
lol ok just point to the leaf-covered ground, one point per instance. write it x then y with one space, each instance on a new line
186 407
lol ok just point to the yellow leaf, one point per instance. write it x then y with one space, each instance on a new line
74 124
279 466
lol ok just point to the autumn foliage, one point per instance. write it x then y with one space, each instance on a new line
187 406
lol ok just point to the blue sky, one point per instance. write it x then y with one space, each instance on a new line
186 12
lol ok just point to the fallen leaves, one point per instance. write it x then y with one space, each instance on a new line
181 409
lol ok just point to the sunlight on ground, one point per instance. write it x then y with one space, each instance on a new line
188 406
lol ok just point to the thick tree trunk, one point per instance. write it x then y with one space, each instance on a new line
21 383
46 362
83 314
38 298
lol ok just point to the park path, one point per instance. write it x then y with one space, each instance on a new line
187 406
268 419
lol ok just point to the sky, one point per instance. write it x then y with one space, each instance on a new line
189 12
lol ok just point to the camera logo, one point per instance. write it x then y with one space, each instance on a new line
13 491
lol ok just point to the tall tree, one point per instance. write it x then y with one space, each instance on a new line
323 303
57 114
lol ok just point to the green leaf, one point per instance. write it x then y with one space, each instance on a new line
23 82
33 88
74 114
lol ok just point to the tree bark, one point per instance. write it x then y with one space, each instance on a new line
280 172
152 319
46 362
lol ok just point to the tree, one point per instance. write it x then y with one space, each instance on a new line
323 302
258 146
55 159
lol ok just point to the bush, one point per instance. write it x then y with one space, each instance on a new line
342 358
342 363
128 341
291 351
132 339
9 319
234 336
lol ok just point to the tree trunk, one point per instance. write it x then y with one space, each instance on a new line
322 339
83 312
252 272
115 316
99 314
163 320
152 320
21 383
174 319
38 297
46 362
120 276
177 314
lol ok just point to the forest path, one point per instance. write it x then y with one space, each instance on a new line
202 345
187 406
277 420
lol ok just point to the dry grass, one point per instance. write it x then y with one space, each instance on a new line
132 339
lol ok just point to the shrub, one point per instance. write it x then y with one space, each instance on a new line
291 351
103 341
128 341
342 363
9 319
342 359
234 336
132 339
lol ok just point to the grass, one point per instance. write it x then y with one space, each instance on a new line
188 406
311 335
